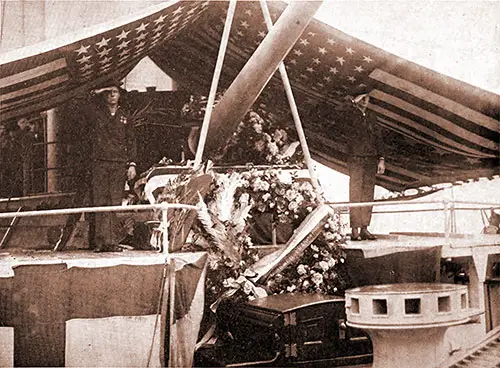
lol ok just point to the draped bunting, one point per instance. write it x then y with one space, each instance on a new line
436 129
41 80
83 290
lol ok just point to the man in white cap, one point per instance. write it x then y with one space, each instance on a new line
365 159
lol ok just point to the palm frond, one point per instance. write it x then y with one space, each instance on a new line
203 214
241 213
217 231
225 201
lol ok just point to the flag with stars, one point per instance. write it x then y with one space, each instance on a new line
44 75
437 129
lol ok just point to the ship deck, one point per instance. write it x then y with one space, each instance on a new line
456 245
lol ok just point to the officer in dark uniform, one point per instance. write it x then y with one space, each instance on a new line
105 154
113 161
365 159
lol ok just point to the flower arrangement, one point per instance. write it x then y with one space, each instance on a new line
235 202
226 216
321 269
286 198
260 137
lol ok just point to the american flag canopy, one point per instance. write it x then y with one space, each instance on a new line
437 129
43 76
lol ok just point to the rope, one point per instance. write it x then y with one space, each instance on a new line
215 82
295 113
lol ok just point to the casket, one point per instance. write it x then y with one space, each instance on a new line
286 330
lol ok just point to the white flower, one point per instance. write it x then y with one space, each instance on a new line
266 197
259 145
291 288
290 194
332 262
305 284
247 287
306 186
260 184
317 278
257 127
293 206
229 282
273 148
329 236
324 265
280 135
301 269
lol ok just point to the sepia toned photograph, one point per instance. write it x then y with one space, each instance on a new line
250 183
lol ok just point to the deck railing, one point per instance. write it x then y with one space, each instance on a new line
163 207
447 207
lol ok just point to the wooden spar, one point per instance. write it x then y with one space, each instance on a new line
254 76
295 114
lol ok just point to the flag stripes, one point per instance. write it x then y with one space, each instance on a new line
43 80
35 88
35 72
431 98
423 138
340 152
29 98
416 126
437 127
467 125
429 119
389 182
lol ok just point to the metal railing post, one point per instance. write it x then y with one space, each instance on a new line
446 219
164 227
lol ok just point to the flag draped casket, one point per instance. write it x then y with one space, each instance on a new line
286 330
76 310
437 129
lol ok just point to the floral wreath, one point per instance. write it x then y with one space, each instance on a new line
226 216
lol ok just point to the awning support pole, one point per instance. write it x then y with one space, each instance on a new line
295 114
260 67
215 83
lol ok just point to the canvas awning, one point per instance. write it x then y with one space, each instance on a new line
437 129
